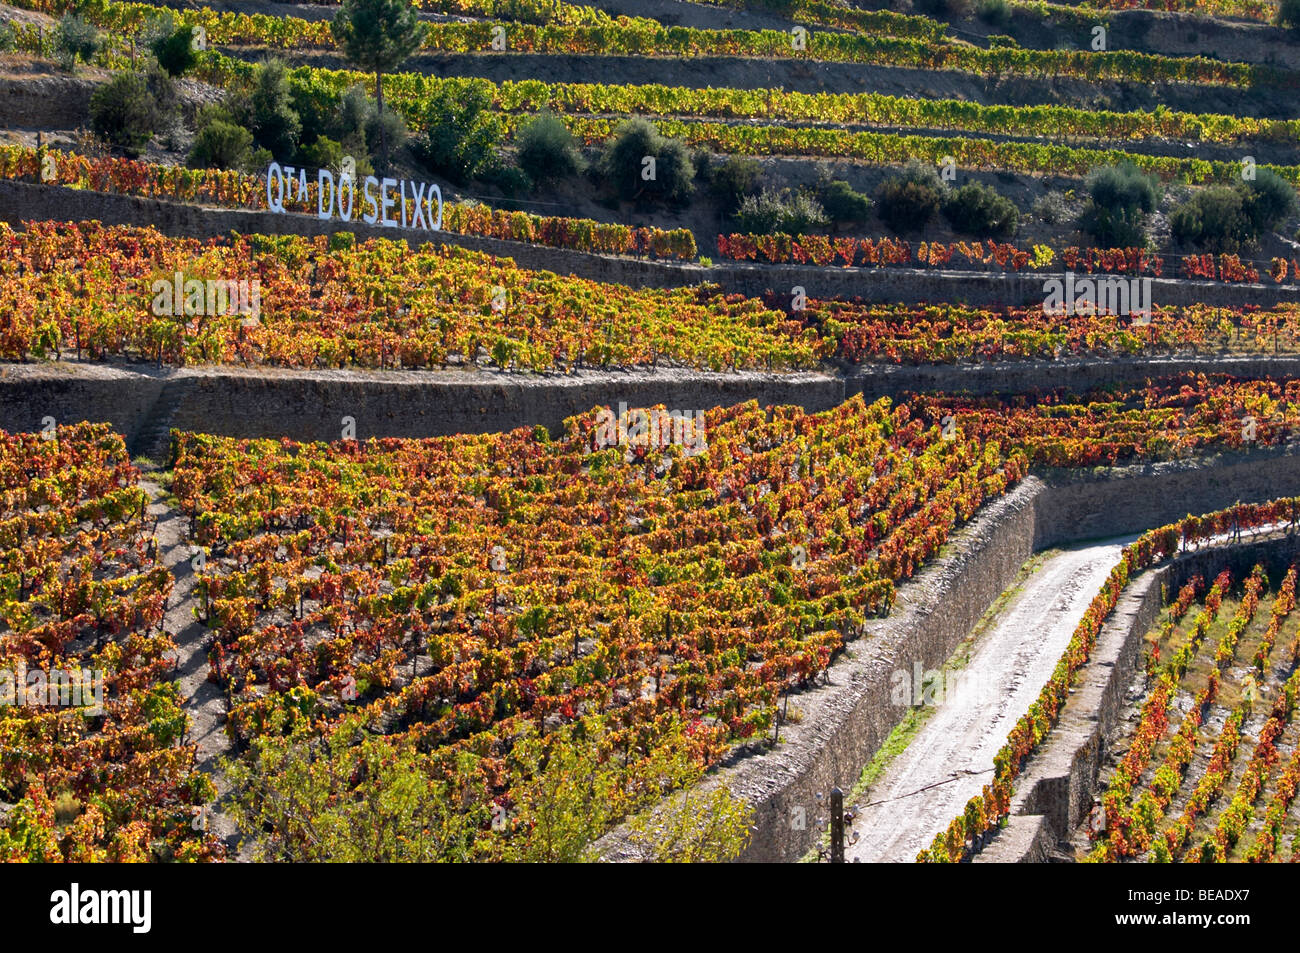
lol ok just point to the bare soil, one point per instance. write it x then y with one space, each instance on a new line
202 699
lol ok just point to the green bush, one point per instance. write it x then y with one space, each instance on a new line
1270 199
1214 219
271 117
175 51
732 180
994 12
78 40
979 210
547 150
362 128
463 132
624 165
124 112
843 204
770 212
1225 218
1120 198
511 180
220 144
327 153
1288 14
910 199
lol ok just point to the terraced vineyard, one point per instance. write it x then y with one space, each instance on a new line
93 733
684 394
1210 770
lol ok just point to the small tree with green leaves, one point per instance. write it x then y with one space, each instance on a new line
642 164
979 210
378 36
909 199
1120 198
547 150
271 118
462 132
78 40
220 143
125 113
842 203
174 51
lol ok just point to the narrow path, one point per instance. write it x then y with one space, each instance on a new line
950 758
201 699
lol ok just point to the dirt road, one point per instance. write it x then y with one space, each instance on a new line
950 758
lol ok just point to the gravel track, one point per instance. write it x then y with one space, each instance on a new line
950 758
201 699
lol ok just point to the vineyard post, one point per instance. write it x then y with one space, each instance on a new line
837 825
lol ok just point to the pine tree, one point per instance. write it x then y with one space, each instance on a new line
378 36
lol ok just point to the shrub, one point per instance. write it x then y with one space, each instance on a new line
843 204
994 12
271 117
1214 219
8 36
511 180
624 166
124 112
922 173
909 200
770 212
1288 14
327 153
362 128
220 144
1051 208
1226 218
734 179
979 210
463 133
175 51
547 150
1120 198
1270 199
78 40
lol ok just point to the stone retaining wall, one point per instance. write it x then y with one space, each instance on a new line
844 722
1055 793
